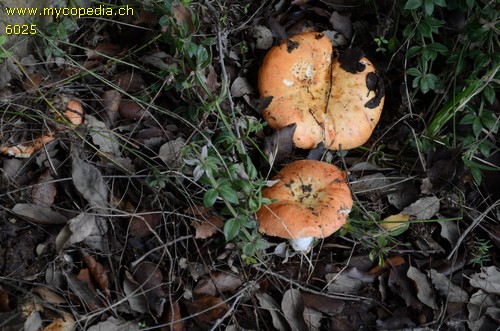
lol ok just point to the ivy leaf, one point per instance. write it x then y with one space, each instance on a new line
429 7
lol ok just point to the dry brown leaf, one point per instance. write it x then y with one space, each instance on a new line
111 101
32 82
81 290
38 214
144 225
103 50
97 272
292 306
267 302
205 222
323 303
279 145
174 317
401 285
136 299
423 286
218 282
49 296
131 110
129 82
207 308
183 17
4 301
44 192
150 278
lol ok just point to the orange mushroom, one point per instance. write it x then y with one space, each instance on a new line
312 200
74 112
333 99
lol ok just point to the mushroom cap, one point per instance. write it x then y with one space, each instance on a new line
74 112
334 100
312 200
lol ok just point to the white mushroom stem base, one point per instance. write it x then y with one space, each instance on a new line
301 245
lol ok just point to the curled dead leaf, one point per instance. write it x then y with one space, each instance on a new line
204 221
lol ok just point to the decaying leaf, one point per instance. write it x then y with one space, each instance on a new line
97 272
449 231
114 324
342 24
38 214
103 51
400 284
129 81
279 145
480 302
63 323
44 192
4 300
207 308
340 283
86 296
89 182
488 280
423 286
424 208
396 222
292 305
170 152
217 283
372 186
150 278
131 110
102 136
205 222
174 317
77 230
323 303
49 296
452 292
312 318
134 295
144 225
241 87
267 302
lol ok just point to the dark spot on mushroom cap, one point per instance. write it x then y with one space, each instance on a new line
379 94
319 36
291 45
307 188
371 81
349 60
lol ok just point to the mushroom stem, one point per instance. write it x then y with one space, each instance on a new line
301 245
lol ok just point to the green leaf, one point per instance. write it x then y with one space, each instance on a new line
164 20
489 94
468 119
231 229
228 194
248 249
3 40
413 51
477 126
413 4
438 47
209 197
414 72
429 7
440 3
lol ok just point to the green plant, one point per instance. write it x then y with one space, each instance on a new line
218 154
480 252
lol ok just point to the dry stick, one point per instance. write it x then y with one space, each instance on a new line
340 296
472 227
139 260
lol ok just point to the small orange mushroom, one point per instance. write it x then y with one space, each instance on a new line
74 112
312 201
333 99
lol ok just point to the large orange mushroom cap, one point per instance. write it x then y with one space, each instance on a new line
312 201
334 100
